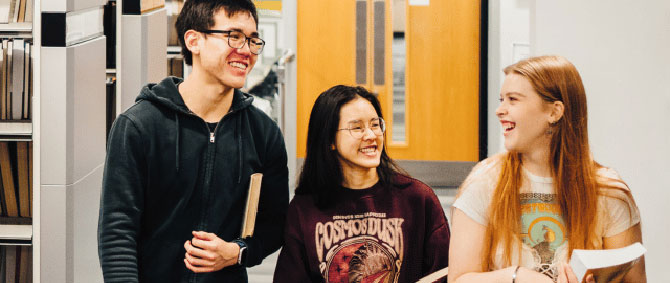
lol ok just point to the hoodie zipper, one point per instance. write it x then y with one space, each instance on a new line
209 167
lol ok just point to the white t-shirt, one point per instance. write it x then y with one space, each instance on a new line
543 231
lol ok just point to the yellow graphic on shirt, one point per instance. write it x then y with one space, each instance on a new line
543 228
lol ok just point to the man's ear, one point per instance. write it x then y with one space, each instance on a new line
192 41
557 109
332 147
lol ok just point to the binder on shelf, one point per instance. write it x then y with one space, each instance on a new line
251 207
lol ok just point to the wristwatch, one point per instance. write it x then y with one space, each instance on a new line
241 258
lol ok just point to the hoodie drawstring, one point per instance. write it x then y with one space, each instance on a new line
239 149
176 118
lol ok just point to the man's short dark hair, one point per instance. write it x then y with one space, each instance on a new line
199 15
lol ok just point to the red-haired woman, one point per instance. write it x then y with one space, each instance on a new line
520 214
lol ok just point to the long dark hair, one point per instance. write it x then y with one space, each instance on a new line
321 174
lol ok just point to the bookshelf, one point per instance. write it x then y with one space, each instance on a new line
16 135
67 129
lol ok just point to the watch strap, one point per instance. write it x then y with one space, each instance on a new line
243 250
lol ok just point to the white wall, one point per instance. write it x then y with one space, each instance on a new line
509 23
622 50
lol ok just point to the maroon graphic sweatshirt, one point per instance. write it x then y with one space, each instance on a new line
378 234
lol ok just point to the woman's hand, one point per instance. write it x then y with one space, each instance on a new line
566 275
206 252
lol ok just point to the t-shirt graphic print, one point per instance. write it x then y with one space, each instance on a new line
360 248
542 228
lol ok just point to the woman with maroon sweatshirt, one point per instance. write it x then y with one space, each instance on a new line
355 216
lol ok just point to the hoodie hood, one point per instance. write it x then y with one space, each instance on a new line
166 93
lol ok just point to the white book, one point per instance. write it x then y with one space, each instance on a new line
606 265
17 79
437 275
15 15
9 64
3 79
27 86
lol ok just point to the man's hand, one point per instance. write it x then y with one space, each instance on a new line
206 252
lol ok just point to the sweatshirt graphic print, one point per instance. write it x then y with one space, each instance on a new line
362 248
382 234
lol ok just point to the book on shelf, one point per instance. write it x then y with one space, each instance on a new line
23 265
15 79
22 11
251 207
15 264
10 263
23 178
3 76
30 176
29 11
9 79
9 191
16 11
27 81
16 182
606 265
4 11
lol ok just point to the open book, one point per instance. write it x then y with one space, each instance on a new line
251 208
437 275
606 265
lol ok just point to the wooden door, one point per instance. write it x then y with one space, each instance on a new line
350 42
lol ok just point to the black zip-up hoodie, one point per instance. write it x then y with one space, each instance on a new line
166 176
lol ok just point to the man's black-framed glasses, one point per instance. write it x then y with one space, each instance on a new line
357 128
237 39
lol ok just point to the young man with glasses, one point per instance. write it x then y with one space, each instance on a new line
179 162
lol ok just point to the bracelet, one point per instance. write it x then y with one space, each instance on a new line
514 274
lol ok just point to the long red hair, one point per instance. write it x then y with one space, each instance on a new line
574 172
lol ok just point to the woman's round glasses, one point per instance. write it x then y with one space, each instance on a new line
357 128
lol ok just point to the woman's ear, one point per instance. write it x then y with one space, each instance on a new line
332 147
192 41
556 114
